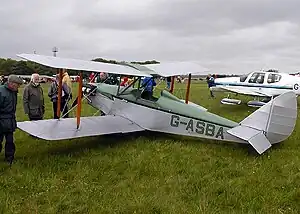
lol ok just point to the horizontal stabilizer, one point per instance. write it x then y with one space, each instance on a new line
65 128
255 137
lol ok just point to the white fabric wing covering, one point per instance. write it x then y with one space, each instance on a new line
54 129
166 69
163 69
82 65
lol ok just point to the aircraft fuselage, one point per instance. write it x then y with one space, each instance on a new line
261 83
166 115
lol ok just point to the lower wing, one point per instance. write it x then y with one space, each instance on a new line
65 128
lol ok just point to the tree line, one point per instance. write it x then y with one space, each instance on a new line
11 66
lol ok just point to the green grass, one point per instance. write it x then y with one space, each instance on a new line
151 173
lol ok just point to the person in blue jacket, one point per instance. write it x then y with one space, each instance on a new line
148 83
211 83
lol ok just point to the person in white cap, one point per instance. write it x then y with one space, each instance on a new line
33 99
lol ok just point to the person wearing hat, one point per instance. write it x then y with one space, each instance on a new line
8 123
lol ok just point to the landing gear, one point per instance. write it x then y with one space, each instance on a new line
253 103
228 101
257 103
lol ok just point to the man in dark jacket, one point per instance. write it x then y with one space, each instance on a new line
148 83
33 99
211 82
8 123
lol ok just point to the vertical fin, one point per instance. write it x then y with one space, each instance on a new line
272 123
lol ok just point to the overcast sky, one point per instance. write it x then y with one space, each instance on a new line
225 36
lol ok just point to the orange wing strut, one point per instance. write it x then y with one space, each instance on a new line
78 113
59 92
188 89
172 85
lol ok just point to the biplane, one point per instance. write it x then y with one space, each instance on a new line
262 85
125 109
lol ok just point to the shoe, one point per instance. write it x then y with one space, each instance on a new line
9 160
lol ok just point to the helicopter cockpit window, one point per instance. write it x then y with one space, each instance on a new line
272 78
257 78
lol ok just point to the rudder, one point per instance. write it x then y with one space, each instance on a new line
271 123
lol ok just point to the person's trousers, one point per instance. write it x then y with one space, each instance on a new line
147 95
10 147
35 118
169 85
211 93
63 108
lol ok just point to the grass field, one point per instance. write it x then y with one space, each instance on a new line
151 173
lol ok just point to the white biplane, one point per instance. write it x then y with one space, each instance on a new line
258 84
127 111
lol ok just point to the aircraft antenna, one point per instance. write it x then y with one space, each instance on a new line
54 50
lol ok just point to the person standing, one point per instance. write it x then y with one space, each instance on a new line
33 99
169 80
124 82
53 94
92 77
67 88
8 123
148 83
211 82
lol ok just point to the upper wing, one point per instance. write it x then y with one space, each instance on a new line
54 129
82 65
166 69
244 91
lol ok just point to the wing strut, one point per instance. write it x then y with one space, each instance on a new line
59 92
188 89
172 84
79 100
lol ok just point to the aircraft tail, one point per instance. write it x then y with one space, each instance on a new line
272 123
